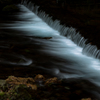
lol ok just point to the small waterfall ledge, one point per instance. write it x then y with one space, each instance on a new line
68 32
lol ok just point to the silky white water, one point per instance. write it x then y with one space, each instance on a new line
73 64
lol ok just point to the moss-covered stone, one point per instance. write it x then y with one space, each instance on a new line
3 95
19 92
19 88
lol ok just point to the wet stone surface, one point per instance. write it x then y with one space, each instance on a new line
20 88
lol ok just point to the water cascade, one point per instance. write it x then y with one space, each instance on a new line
74 58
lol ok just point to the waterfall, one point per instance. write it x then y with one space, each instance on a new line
70 56
68 32
83 58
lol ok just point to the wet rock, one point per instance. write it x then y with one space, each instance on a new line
2 95
19 92
29 82
39 77
18 88
34 86
51 80
47 37
19 80
11 79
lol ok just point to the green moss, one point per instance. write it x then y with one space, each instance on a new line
19 92
2 94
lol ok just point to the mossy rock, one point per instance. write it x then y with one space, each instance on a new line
19 92
2 82
10 9
3 95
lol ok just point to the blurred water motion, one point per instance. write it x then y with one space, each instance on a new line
66 58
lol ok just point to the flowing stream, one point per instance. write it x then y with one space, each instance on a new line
62 57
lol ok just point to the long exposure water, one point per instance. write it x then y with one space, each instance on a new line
64 58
